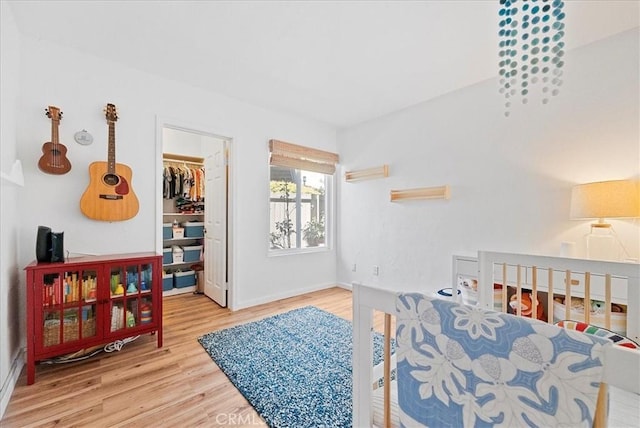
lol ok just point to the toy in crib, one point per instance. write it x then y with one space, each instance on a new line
469 283
469 289
526 306
597 306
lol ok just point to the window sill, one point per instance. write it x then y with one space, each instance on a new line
294 251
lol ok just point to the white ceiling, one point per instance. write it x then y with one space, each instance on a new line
340 62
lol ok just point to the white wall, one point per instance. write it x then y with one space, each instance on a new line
183 143
36 74
11 309
510 178
81 85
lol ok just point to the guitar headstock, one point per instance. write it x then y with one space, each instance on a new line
111 113
53 113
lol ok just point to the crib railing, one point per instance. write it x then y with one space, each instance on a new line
524 272
608 282
366 300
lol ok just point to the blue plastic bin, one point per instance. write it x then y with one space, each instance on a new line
192 253
184 279
193 229
167 256
167 281
167 232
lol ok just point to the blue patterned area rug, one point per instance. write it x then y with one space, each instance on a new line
294 368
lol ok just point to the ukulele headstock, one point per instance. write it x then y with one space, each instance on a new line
53 113
111 113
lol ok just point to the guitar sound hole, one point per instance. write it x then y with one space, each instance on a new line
111 179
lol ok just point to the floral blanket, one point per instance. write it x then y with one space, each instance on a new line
463 366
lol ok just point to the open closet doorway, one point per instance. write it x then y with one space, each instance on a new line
195 212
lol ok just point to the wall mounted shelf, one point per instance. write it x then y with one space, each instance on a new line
367 174
440 192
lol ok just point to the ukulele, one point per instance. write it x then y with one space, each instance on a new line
109 197
54 159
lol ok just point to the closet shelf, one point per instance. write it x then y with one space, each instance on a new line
186 238
180 264
184 214
170 157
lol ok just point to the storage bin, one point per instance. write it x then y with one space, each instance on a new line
618 319
167 257
167 281
178 254
178 232
192 253
184 279
167 232
193 229
51 331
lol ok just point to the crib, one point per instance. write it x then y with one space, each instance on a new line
547 277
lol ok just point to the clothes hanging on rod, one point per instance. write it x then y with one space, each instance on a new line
183 179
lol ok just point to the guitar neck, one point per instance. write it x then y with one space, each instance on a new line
54 131
111 156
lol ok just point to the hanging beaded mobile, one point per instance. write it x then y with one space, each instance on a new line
531 48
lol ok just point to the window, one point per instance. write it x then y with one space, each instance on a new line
300 183
298 218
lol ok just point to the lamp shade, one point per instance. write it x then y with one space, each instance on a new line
606 199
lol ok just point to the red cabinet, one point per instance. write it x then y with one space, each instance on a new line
91 301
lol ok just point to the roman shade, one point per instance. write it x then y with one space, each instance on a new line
299 157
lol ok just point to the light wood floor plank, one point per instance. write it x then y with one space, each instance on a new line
177 385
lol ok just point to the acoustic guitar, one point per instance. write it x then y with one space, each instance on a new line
54 159
109 196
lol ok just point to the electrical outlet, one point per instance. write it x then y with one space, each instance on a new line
353 268
376 270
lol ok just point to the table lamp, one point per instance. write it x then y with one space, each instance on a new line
601 200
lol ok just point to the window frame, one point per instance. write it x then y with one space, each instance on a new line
328 221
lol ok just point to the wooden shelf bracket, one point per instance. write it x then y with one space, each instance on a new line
440 192
367 174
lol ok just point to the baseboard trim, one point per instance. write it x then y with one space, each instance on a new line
274 297
345 286
11 381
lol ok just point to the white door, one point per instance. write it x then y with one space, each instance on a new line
215 222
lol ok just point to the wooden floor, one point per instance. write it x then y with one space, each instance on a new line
177 385
142 385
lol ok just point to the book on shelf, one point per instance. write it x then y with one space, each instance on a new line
89 289
87 312
117 316
52 292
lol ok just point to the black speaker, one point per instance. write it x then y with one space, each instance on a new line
57 246
43 244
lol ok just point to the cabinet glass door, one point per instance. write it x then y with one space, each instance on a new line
131 291
69 308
